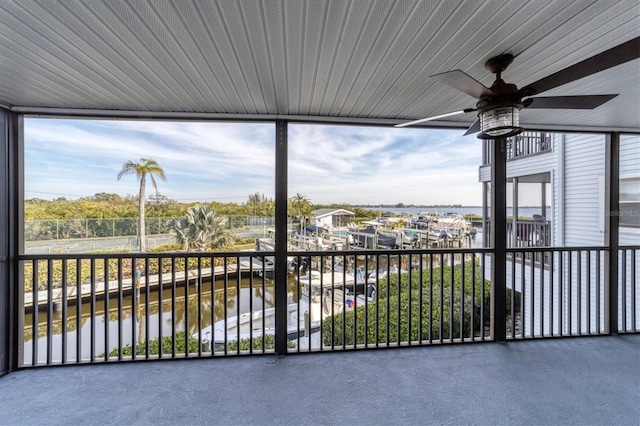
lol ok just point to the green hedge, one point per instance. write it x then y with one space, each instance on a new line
396 314
167 345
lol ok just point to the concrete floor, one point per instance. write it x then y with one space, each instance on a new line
582 381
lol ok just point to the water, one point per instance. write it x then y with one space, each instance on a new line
161 317
522 211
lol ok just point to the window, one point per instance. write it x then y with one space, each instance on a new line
630 202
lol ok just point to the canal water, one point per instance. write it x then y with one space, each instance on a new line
118 324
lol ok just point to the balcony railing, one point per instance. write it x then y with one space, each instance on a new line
524 144
528 233
97 308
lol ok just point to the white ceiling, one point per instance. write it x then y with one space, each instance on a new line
358 61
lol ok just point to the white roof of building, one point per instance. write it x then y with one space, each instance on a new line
331 212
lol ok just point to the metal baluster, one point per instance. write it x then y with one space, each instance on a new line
462 268
552 255
561 292
388 329
523 317
355 302
64 310
399 285
186 307
264 304
420 296
473 297
430 298
120 302
570 296
409 317
366 301
250 297
514 258
238 277
34 312
599 300
622 282
441 309
147 297
49 311
588 257
78 310
226 295
173 306
533 293
199 289
543 256
633 289
579 291
211 336
135 300
106 308
160 310
92 263
451 294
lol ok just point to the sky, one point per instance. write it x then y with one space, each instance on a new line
225 162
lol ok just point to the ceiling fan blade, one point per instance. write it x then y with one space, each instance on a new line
568 102
435 117
463 82
475 127
620 54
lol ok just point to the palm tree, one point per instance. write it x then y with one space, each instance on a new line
301 207
146 166
200 228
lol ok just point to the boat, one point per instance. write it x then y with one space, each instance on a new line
315 304
454 223
255 324
350 280
372 237
450 228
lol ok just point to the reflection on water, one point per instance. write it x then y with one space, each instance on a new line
165 314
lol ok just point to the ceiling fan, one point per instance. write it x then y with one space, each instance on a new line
499 106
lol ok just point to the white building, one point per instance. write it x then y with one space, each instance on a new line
330 218
568 173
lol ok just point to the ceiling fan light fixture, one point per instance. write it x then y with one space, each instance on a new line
501 122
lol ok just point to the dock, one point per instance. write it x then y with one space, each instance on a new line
246 265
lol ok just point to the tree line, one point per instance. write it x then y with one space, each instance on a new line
196 225
114 206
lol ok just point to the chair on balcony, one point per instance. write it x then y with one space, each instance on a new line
539 234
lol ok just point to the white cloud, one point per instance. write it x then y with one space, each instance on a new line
228 161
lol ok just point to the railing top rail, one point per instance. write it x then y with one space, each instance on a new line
166 255
208 254
555 249
386 252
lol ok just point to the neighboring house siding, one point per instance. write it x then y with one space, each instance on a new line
523 166
584 171
629 168
530 165
578 210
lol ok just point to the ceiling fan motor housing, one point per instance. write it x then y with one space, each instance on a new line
499 109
